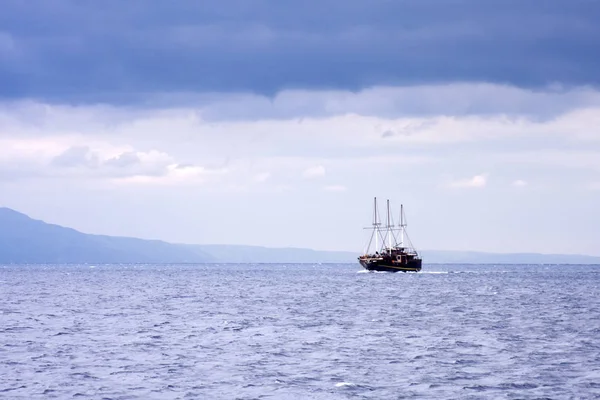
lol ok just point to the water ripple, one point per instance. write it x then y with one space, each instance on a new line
298 331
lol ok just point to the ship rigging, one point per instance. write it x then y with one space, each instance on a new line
393 250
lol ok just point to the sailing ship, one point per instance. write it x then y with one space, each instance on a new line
393 250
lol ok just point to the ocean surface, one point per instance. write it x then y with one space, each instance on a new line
299 332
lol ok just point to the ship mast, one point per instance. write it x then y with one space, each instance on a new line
402 225
389 227
376 225
376 228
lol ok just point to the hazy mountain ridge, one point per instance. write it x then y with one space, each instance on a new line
24 240
259 254
475 257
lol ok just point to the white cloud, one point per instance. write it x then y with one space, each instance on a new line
520 183
478 181
335 188
175 175
194 136
262 177
75 157
583 158
124 143
458 99
132 143
314 172
14 148
45 158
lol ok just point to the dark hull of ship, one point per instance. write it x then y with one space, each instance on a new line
390 266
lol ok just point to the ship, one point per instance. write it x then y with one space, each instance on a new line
393 250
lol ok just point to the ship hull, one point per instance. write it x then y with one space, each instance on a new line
382 265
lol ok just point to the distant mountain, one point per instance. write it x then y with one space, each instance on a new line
258 254
473 257
25 240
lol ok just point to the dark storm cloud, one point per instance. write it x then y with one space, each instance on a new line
120 51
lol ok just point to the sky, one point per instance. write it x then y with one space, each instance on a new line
276 123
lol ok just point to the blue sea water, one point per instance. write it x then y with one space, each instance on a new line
299 332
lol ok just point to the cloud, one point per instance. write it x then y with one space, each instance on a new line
124 160
109 143
387 134
314 172
22 159
584 157
85 162
455 99
595 186
107 52
262 177
335 188
174 174
76 156
398 113
519 183
478 181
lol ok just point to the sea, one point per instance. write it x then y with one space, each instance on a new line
299 331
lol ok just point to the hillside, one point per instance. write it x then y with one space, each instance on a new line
25 240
